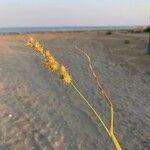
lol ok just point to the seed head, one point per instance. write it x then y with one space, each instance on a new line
36 45
47 54
30 43
64 75
50 61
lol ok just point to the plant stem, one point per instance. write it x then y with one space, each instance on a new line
109 132
91 107
115 142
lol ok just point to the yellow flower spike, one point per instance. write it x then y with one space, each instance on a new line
62 70
47 54
31 40
53 66
50 61
67 79
30 43
38 47
64 75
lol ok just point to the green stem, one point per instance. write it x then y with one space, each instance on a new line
109 132
91 107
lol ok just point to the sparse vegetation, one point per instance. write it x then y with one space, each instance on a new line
140 30
147 29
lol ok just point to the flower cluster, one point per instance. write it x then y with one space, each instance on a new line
36 45
64 75
50 61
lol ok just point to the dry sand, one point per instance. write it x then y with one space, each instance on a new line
39 112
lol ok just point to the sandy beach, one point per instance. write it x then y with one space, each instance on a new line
39 112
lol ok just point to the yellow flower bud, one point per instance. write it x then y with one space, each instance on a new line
50 61
64 75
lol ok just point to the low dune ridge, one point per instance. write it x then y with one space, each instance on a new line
39 112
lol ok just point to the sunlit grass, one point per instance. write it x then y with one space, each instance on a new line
64 75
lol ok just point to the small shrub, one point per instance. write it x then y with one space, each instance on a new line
146 29
126 41
108 33
140 30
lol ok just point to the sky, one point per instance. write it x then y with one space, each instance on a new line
23 13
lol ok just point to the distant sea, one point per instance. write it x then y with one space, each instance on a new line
61 29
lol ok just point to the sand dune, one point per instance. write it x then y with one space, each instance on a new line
39 112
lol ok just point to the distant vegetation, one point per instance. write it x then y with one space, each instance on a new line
147 29
108 33
126 41
140 30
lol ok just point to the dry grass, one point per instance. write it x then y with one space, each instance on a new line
64 75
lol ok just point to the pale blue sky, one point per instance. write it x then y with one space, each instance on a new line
73 12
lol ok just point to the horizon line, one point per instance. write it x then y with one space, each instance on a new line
48 26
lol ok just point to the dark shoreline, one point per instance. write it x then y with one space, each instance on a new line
44 32
21 30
